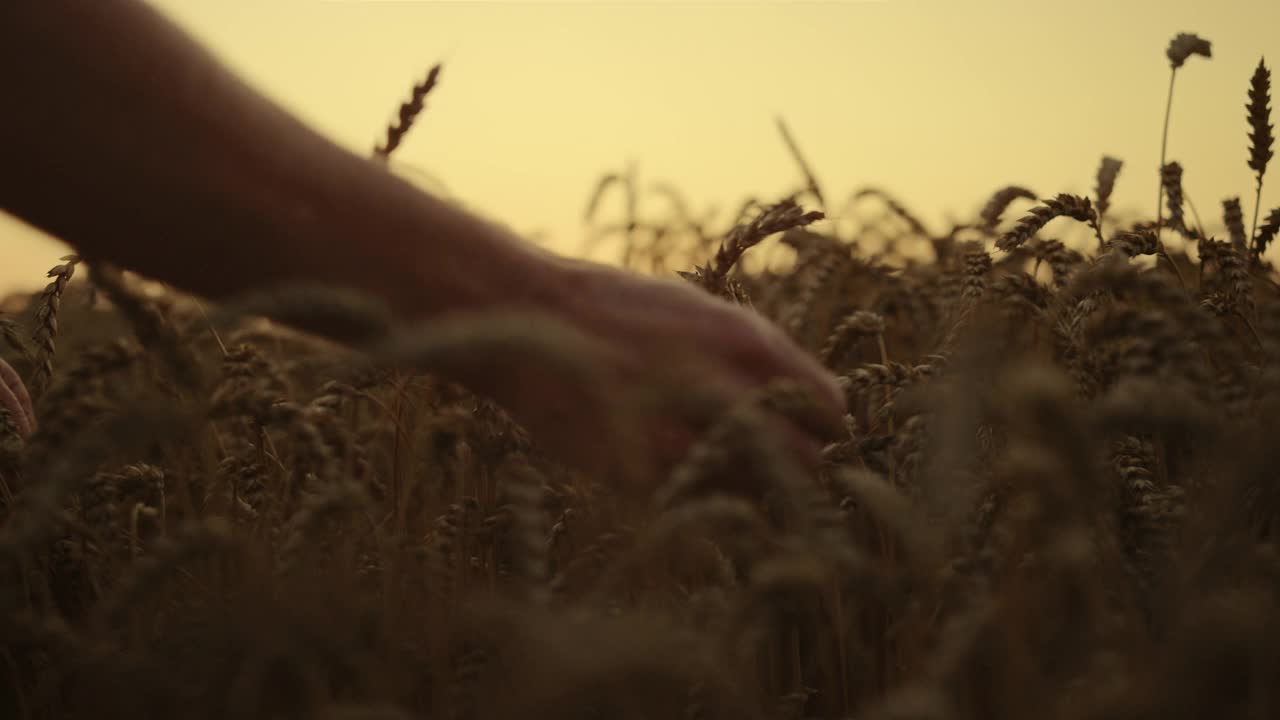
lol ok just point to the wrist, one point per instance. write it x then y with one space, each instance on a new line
418 254
473 265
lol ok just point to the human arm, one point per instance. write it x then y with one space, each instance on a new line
127 140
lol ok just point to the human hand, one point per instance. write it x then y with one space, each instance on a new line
665 360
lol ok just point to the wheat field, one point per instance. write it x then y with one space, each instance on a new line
1053 496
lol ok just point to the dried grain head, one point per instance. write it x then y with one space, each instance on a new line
1108 171
1261 137
46 319
776 218
1171 181
1064 205
1184 45
999 201
977 265
408 113
1233 218
1266 233
1133 244
857 324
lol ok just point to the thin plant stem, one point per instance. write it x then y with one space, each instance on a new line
1164 146
1257 205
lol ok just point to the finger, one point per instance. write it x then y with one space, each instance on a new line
800 445
680 414
743 466
827 393
11 392
769 355
10 378
743 449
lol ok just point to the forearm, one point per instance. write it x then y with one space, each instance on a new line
129 142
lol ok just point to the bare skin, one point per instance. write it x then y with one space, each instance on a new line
15 400
127 140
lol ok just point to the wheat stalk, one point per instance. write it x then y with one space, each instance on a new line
1182 47
1260 135
1105 184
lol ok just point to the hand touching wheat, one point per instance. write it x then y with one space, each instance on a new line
133 145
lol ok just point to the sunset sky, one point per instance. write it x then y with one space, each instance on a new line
938 101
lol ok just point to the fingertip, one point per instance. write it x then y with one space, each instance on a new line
17 413
783 357
829 393
834 393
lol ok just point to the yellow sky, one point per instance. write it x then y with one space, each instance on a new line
938 101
